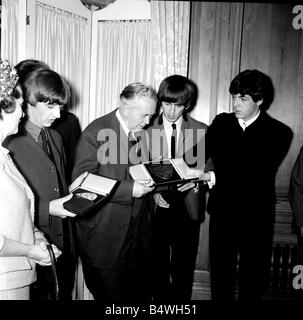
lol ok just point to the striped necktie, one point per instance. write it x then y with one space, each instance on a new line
134 144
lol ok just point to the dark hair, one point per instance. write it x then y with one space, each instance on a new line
45 85
25 67
8 104
178 89
138 89
255 84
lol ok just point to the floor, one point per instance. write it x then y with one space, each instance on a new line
201 291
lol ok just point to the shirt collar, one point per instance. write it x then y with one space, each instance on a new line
167 124
33 129
245 124
122 122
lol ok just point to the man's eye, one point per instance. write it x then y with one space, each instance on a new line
51 106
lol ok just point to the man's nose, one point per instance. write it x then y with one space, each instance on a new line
172 108
236 101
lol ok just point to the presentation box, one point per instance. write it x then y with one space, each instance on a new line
91 194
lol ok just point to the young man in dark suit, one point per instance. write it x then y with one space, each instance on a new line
38 153
246 148
114 241
180 210
67 124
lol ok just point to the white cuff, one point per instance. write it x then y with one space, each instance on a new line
196 188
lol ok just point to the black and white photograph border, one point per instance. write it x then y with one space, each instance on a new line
224 38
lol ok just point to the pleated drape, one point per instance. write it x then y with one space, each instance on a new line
170 29
124 56
60 42
9 30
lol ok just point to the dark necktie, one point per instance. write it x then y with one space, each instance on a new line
138 146
43 142
173 141
134 144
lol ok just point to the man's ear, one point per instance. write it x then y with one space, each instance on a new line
259 102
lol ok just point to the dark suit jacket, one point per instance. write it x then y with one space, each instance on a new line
245 165
42 176
190 142
101 234
296 190
69 128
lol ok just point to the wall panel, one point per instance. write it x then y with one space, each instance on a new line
272 45
214 55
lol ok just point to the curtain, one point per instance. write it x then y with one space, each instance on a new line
9 30
170 29
124 56
215 55
61 43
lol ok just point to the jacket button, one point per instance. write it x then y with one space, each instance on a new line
56 189
59 234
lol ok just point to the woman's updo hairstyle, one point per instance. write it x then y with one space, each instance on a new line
9 91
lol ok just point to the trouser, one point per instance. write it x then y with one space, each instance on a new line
128 279
175 245
236 238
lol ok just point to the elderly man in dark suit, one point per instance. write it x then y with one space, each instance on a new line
246 148
38 153
114 242
180 210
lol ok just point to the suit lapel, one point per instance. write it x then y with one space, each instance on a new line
121 138
160 127
34 144
182 137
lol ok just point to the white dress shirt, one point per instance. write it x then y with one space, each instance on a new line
168 132
245 124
